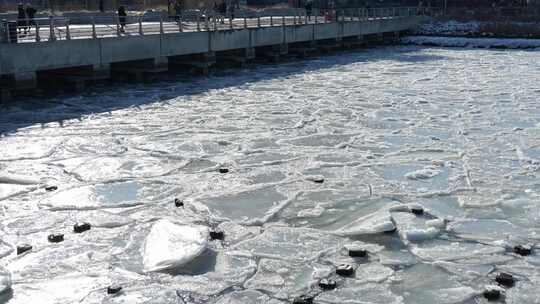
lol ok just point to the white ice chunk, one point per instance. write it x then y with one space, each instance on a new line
7 178
377 222
487 229
247 297
413 228
424 173
456 295
284 279
296 244
419 235
373 273
169 245
360 294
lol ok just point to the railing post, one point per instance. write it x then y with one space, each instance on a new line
38 38
206 27
52 36
94 34
230 21
282 20
258 20
180 23
161 30
316 14
118 32
272 20
294 17
68 34
8 35
215 23
199 22
140 26
245 21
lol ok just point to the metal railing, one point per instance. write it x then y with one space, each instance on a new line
62 28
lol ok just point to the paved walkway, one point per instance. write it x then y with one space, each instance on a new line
85 31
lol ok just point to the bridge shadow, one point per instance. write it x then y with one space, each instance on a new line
106 98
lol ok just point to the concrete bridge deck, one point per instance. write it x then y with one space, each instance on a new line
166 42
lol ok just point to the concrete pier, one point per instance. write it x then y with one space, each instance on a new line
140 56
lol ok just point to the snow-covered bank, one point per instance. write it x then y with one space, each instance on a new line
496 43
479 29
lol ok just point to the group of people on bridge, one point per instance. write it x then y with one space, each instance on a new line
25 17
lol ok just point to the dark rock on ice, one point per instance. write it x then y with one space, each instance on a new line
357 253
505 279
23 248
303 300
55 238
79 228
114 289
223 170
178 202
327 284
417 210
492 294
345 270
217 235
522 250
51 188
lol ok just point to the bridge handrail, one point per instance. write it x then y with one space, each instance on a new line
67 28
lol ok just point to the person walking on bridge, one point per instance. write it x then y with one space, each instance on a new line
122 18
30 15
22 22
308 6
177 10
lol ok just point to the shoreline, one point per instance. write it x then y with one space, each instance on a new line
479 29
472 42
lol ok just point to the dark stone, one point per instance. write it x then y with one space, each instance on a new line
217 235
417 210
522 250
55 238
79 228
318 180
492 294
51 188
345 270
303 300
114 289
178 203
357 253
23 248
223 170
327 284
505 279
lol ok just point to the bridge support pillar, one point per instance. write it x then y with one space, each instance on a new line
102 71
5 95
25 81
142 70
196 64
249 53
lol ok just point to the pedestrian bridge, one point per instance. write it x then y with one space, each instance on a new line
154 45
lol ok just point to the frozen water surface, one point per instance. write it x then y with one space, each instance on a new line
427 158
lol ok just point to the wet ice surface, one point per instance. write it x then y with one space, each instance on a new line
322 155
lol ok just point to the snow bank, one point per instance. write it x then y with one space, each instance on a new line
169 245
473 42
